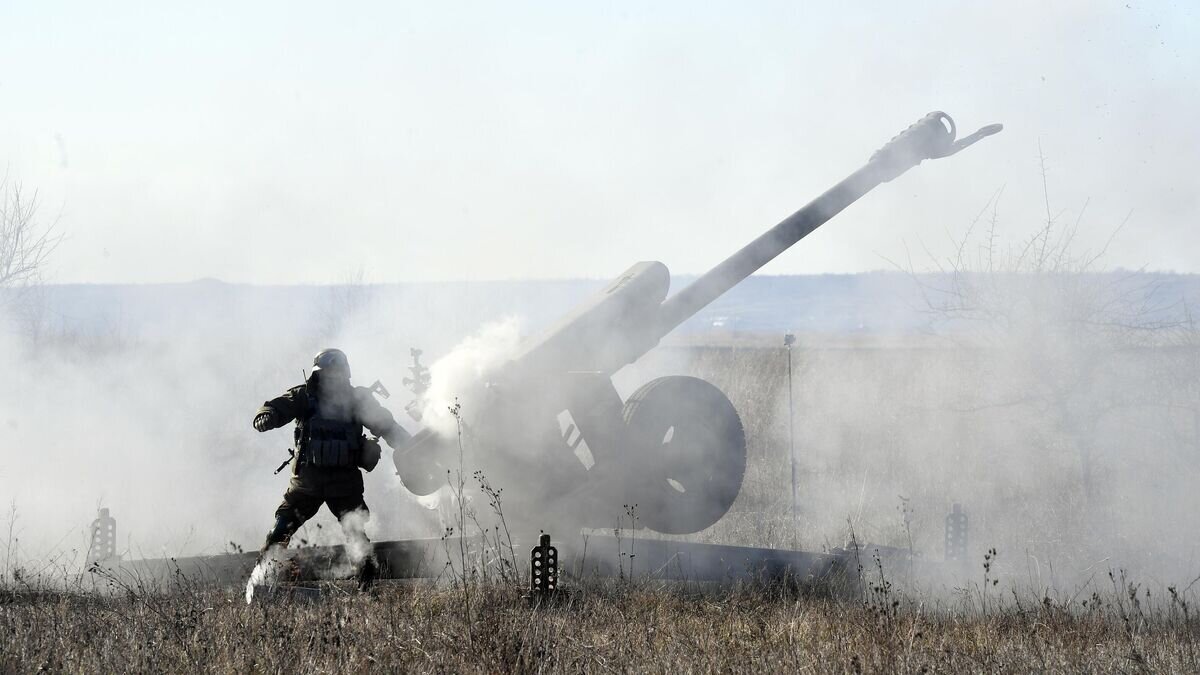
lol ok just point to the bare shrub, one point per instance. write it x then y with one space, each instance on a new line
1054 358
25 244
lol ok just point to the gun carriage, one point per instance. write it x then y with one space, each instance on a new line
550 426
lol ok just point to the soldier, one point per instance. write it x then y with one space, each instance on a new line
330 414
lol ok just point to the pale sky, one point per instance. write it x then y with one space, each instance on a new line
299 142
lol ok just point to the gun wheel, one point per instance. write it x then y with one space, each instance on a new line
688 454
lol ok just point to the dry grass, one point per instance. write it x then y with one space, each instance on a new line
598 628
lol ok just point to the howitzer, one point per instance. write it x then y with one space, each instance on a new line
551 426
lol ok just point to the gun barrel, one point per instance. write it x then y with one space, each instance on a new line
930 137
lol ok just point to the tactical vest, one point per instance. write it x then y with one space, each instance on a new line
327 442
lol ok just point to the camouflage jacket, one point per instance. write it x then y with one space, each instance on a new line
353 404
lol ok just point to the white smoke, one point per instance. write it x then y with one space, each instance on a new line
265 573
457 379
358 547
458 376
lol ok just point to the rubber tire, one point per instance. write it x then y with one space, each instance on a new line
705 454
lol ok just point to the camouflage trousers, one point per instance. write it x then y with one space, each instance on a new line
299 506
341 489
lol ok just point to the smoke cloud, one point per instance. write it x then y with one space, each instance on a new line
1029 379
457 377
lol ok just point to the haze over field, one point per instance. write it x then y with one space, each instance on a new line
360 178
138 398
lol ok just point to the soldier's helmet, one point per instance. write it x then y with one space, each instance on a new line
332 361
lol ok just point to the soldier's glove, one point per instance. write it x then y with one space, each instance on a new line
263 420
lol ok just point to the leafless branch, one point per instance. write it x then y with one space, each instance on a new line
25 245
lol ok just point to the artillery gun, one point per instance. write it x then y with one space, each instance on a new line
551 426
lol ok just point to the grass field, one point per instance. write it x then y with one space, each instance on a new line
599 628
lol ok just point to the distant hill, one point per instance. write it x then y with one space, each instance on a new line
869 303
